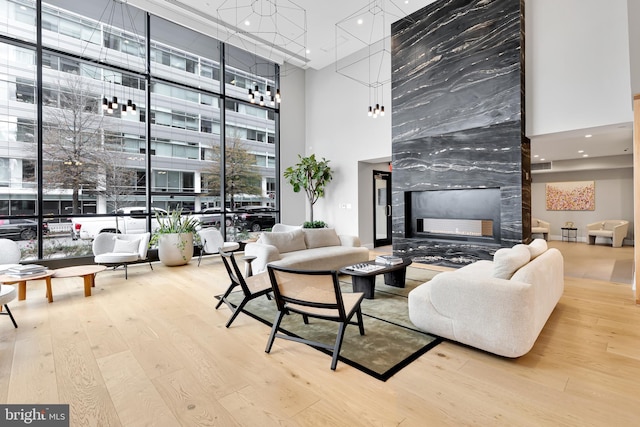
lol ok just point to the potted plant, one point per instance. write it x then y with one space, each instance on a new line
174 237
310 175
314 224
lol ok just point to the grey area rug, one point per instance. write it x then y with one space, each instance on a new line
390 342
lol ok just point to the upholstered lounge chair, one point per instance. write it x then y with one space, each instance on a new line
121 249
10 254
7 294
539 226
211 241
615 229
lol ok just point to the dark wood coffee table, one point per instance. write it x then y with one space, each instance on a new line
365 281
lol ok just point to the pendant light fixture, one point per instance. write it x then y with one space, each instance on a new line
274 29
368 32
115 9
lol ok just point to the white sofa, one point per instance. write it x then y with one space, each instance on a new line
614 229
306 249
499 306
539 226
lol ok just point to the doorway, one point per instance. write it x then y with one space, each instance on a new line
381 208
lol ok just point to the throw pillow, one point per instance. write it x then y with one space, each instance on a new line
320 237
507 261
285 241
537 247
126 246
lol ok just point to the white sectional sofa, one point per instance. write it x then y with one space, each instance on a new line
499 306
614 229
306 249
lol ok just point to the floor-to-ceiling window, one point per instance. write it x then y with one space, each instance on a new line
129 111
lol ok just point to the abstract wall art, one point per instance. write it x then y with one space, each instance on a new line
571 196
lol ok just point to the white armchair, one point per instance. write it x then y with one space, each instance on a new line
211 241
121 249
539 226
279 228
10 254
615 229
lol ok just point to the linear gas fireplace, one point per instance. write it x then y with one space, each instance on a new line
470 215
456 227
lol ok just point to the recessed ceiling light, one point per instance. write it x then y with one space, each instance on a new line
585 155
588 136
542 160
308 51
360 21
580 151
247 22
536 156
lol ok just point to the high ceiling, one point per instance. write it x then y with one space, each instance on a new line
337 29
322 17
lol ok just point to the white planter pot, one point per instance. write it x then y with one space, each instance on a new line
175 249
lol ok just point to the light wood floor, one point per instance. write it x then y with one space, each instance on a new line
152 351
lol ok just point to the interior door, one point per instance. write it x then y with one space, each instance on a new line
381 208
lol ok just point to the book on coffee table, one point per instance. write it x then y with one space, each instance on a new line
26 270
389 259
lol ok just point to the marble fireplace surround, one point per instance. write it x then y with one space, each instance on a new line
458 124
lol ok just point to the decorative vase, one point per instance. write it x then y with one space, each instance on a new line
175 248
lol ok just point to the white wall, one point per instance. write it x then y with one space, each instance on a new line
614 200
339 129
292 140
577 65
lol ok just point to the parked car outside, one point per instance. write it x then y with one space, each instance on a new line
130 220
21 228
256 218
212 217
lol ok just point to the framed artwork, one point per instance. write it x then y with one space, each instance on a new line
571 196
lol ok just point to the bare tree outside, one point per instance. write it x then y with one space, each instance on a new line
241 173
117 180
72 139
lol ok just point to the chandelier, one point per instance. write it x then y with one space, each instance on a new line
113 23
274 29
363 49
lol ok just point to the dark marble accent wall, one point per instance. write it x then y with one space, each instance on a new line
458 118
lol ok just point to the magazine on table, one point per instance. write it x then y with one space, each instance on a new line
364 267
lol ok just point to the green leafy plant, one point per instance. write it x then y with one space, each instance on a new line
314 224
310 175
173 223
